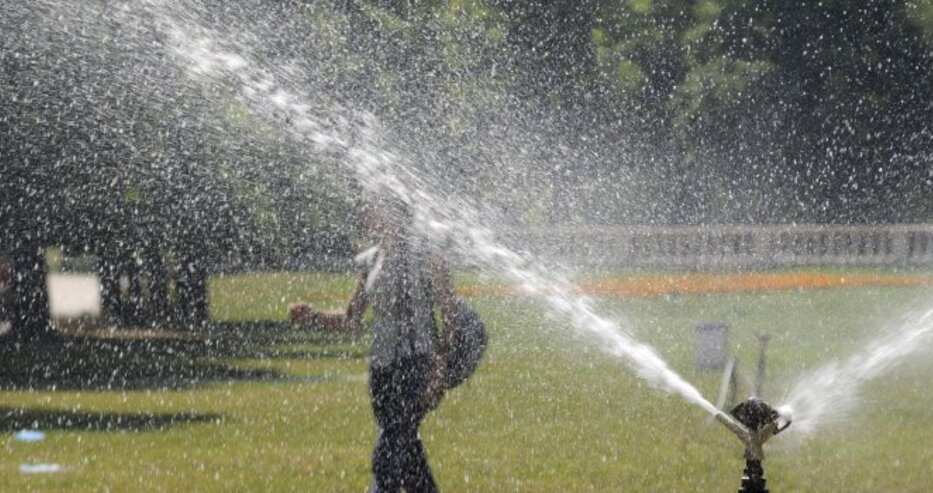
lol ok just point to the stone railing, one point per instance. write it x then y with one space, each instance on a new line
698 247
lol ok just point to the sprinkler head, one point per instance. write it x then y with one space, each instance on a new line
754 422
757 415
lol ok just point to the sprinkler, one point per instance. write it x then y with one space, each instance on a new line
754 422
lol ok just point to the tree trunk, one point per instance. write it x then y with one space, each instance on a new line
192 289
30 315
110 297
133 302
157 307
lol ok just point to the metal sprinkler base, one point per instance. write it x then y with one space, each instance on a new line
754 422
753 478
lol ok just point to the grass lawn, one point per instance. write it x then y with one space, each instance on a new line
547 411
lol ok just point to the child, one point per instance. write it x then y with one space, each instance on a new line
400 289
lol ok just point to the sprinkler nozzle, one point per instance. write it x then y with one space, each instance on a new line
754 422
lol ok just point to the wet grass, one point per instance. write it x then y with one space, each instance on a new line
242 298
547 411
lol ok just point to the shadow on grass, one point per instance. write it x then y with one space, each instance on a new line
128 360
323 353
13 419
276 340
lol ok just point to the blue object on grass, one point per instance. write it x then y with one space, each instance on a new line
40 468
29 436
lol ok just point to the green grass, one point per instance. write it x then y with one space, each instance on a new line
547 410
267 296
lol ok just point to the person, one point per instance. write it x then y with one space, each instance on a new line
6 280
6 275
403 288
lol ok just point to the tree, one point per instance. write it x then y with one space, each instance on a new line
781 111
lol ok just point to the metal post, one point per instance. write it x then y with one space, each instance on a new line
760 375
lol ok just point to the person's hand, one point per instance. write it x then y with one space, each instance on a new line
300 313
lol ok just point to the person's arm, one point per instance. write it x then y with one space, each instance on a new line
446 302
334 321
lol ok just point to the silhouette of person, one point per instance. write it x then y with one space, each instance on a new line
399 284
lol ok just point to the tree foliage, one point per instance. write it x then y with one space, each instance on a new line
818 111
605 111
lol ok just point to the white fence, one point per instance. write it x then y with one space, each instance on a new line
698 247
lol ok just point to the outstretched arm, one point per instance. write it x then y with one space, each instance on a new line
334 321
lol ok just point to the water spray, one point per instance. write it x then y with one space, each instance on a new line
754 422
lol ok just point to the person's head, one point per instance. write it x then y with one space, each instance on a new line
384 217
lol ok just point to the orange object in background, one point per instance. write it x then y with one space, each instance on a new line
695 283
